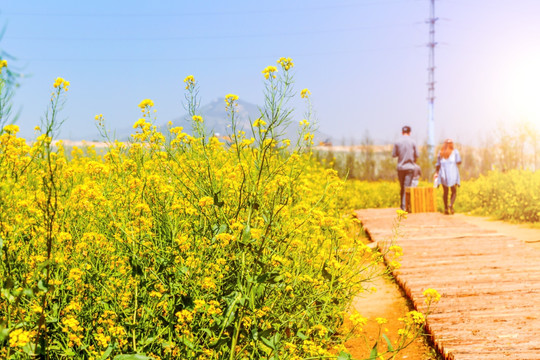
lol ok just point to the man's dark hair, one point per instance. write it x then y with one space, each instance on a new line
406 129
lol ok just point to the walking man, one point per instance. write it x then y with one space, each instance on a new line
405 151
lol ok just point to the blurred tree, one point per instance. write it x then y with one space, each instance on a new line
470 166
529 136
508 149
351 169
426 162
386 166
368 164
330 159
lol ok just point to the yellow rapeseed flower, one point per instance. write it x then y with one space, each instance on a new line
431 295
305 93
11 129
3 64
146 103
99 118
230 99
184 316
224 238
259 122
413 318
61 83
286 63
319 330
208 283
75 274
269 71
19 338
197 118
358 320
396 249
309 137
206 201
102 339
189 81
417 317
401 214
139 123
37 308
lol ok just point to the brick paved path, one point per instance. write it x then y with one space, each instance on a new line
489 282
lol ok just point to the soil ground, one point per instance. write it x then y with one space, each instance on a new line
389 301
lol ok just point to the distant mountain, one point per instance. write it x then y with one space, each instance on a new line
217 121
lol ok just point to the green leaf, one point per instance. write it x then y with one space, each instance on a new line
246 234
4 332
208 332
272 342
8 283
268 342
344 356
270 277
43 265
388 343
325 272
186 342
255 334
136 269
216 200
41 286
69 352
29 349
7 294
233 300
52 320
218 229
106 353
1 243
149 340
373 354
183 270
132 357
266 332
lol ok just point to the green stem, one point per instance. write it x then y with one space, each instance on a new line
135 319
235 336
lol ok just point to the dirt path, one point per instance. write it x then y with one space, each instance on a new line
387 302
390 302
520 231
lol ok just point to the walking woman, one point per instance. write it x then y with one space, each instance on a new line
448 173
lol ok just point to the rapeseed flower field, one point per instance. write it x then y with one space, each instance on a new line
512 196
180 245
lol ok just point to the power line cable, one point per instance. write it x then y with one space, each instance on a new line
206 13
213 58
201 37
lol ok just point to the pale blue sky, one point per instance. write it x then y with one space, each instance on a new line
364 61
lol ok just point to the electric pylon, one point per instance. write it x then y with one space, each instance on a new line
431 79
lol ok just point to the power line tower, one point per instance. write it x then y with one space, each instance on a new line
431 79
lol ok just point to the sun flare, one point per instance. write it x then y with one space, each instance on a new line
522 92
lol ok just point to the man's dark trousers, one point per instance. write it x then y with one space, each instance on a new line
405 180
